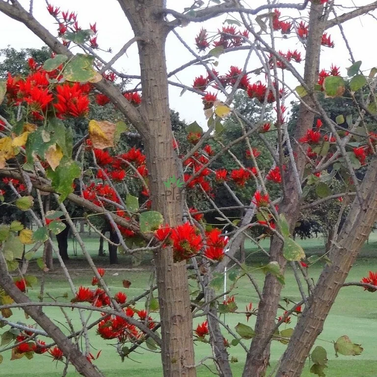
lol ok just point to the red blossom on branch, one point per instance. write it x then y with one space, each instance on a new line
371 279
202 330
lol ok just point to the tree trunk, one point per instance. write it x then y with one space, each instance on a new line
258 357
48 256
343 254
101 252
174 298
62 239
113 249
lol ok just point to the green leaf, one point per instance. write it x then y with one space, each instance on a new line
12 265
286 334
13 248
283 225
228 20
63 177
292 250
339 119
24 203
3 90
318 370
217 51
16 226
245 331
41 234
301 91
355 163
357 82
132 203
80 69
352 71
194 128
4 232
53 63
120 127
7 337
344 346
56 227
52 215
233 275
319 356
31 280
150 221
235 342
80 36
322 190
334 86
151 344
154 306
40 263
217 281
274 269
372 108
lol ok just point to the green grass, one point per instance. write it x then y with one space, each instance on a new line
354 314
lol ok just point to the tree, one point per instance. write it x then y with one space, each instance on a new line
151 24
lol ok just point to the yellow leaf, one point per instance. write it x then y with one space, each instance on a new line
101 133
221 109
53 156
29 127
26 236
6 150
97 77
21 140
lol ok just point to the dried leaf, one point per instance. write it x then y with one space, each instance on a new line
102 133
53 156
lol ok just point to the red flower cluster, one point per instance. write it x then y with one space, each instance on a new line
201 40
221 175
274 175
284 26
134 98
287 319
261 200
215 244
260 92
202 330
240 176
360 154
72 100
371 279
186 242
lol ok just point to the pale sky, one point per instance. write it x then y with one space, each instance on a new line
114 32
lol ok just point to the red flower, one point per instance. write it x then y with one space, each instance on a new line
202 330
162 233
102 100
72 100
254 152
240 176
208 100
274 175
360 154
54 11
40 347
214 253
371 279
120 297
24 347
193 137
249 307
56 353
311 137
200 83
201 40
134 98
21 285
233 76
261 200
286 319
194 213
302 30
221 175
83 295
186 243
326 41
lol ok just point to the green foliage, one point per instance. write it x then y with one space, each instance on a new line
344 346
150 221
244 331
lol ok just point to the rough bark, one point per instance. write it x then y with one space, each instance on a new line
343 254
70 350
258 357
176 319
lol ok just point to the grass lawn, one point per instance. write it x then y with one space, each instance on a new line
354 314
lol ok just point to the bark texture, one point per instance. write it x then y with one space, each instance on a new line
343 254
259 355
175 309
